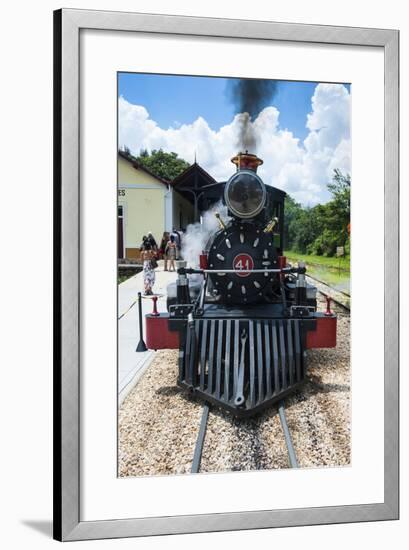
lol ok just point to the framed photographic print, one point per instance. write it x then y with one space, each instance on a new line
226 274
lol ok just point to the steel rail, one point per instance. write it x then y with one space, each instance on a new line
331 295
335 300
329 286
288 440
340 304
197 456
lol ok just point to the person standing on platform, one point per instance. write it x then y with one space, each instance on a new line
148 257
170 251
162 249
152 242
178 241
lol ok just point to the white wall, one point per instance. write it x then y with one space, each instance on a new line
182 210
169 210
26 209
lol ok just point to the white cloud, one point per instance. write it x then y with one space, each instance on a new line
303 169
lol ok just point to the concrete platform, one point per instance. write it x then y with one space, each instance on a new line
131 364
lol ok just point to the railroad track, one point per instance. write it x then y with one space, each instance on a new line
324 290
197 455
338 296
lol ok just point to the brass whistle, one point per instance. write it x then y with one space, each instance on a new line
221 222
270 226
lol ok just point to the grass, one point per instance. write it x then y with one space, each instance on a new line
320 261
122 278
124 273
334 272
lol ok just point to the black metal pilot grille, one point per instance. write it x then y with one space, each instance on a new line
268 351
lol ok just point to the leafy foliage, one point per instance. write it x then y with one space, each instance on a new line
164 165
320 229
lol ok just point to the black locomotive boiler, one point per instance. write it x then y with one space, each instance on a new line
244 319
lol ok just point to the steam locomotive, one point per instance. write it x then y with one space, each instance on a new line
244 319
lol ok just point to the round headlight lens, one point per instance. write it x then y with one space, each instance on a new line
245 194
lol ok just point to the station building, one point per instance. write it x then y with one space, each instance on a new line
147 202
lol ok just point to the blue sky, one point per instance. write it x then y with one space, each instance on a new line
302 133
174 100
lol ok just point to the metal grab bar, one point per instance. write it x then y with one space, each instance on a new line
189 271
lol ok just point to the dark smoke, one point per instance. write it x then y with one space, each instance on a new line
249 97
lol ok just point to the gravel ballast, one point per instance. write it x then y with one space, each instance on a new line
158 424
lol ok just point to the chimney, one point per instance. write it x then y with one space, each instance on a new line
246 161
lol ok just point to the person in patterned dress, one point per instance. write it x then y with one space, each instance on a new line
148 256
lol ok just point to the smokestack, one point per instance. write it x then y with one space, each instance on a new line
246 161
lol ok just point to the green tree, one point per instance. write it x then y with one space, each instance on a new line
292 211
340 206
301 226
164 165
319 230
334 218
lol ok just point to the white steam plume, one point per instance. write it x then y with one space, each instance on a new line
197 234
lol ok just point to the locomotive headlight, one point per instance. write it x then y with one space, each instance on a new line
245 194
